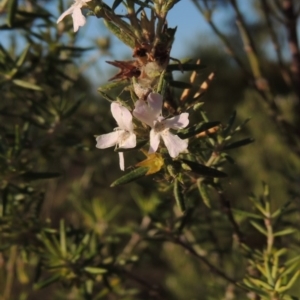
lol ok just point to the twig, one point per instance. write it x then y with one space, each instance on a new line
284 72
222 37
214 269
227 209
154 290
262 87
10 273
250 49
136 238
291 26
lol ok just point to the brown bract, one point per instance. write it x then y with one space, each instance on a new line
128 69
155 51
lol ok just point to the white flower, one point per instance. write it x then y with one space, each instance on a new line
75 10
122 136
151 115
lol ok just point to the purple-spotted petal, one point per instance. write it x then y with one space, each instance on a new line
174 144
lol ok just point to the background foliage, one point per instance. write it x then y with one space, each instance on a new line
65 234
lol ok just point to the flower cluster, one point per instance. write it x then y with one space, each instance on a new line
148 66
148 112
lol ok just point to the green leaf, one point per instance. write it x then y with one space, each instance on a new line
281 210
247 214
83 244
293 260
185 67
143 4
116 4
39 175
238 144
12 10
259 228
26 85
261 283
198 106
202 188
230 124
290 269
195 129
178 194
228 158
17 24
30 16
120 34
251 286
47 282
106 96
75 49
113 85
72 109
131 176
49 245
238 128
162 84
203 170
62 238
94 270
23 56
291 282
285 232
180 84
5 57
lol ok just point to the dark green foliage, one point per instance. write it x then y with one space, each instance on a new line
190 230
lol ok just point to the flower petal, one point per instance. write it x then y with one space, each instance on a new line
78 18
155 102
142 113
128 140
67 12
177 122
107 140
154 141
121 161
122 115
174 144
149 113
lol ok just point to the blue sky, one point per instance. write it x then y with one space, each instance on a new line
192 30
191 26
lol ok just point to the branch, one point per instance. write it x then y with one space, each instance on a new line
291 26
215 270
286 75
10 273
227 209
223 38
155 291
